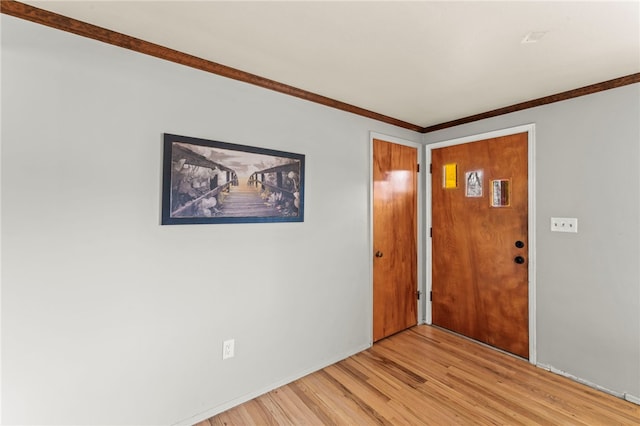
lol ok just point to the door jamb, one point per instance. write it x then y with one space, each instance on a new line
421 311
530 129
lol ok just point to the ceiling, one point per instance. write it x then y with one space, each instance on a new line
423 62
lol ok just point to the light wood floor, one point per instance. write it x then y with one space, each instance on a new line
428 376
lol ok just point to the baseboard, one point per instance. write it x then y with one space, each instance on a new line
631 398
251 395
622 395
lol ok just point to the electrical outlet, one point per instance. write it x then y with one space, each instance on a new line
564 224
228 347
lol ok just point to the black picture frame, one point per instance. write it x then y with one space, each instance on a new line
206 181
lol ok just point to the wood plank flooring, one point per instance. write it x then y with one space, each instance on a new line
427 376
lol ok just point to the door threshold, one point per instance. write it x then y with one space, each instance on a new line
486 345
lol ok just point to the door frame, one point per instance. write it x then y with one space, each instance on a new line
531 205
421 311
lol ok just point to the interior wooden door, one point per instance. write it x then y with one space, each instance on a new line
480 241
395 276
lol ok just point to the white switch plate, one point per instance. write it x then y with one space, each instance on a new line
564 224
228 347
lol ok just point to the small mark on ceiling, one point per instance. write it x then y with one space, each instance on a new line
533 37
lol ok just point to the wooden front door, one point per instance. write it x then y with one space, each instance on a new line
395 250
480 241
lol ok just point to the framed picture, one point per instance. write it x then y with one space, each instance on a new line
206 181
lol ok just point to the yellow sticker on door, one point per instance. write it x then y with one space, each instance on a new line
450 175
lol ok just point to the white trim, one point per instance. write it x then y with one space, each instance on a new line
562 373
420 278
631 398
530 129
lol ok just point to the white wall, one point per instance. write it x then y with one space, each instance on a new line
588 284
110 318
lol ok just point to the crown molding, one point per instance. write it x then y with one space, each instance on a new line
64 23
570 94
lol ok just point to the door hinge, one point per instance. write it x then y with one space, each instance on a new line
430 168
431 232
418 294
418 168
430 296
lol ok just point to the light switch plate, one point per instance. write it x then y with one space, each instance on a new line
564 224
